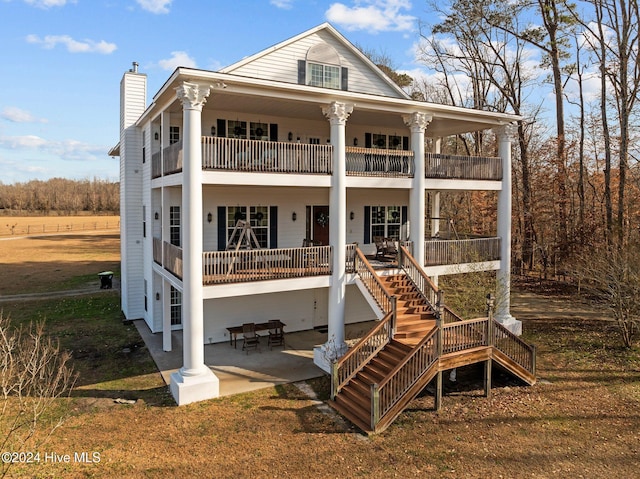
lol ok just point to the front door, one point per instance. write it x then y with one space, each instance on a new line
320 224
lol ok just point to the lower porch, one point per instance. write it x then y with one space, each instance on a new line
239 371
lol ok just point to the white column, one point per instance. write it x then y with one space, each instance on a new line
337 114
503 286
194 381
417 122
166 316
435 198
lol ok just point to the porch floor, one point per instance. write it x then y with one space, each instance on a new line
240 372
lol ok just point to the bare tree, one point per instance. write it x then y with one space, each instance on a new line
34 372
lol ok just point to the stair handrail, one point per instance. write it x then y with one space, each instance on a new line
372 282
425 354
346 367
517 349
418 277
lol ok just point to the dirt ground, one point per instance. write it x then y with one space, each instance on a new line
580 420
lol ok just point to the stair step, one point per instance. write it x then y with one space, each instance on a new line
353 396
363 388
352 417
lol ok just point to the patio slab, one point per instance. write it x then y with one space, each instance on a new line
240 372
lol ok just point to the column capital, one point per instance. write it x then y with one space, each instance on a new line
506 132
417 121
337 112
193 95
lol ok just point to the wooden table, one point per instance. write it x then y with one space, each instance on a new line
235 330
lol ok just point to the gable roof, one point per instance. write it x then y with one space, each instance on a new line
328 28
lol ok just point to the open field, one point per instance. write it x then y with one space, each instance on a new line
582 419
37 264
33 225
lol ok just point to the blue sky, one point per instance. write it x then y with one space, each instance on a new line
63 60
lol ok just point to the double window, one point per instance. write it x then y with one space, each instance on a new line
386 221
258 219
325 76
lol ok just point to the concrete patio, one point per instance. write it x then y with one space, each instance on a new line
240 372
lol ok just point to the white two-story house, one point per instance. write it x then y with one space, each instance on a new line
319 152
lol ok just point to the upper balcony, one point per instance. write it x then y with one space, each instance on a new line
256 156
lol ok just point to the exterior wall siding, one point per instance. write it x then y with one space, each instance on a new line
282 65
133 98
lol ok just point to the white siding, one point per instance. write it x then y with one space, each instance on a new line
294 308
282 65
133 92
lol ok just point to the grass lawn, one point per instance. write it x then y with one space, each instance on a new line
580 420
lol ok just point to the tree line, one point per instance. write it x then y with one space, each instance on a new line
571 71
61 195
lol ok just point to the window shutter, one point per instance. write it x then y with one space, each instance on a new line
273 132
222 228
302 72
367 224
367 140
221 129
273 227
405 143
345 79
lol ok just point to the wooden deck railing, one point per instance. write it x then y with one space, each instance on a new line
392 389
463 335
361 353
350 262
441 166
514 347
265 156
348 365
372 282
418 277
221 267
172 259
444 252
377 162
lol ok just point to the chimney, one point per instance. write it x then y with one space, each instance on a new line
135 68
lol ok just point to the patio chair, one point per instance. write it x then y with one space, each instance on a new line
276 334
380 246
250 340
390 247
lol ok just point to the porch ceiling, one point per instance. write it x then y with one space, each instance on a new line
305 103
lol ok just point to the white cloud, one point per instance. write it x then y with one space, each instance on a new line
73 46
155 6
17 115
372 15
67 149
178 59
284 4
48 3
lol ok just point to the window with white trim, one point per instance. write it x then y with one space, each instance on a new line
325 76
174 134
386 221
174 226
175 307
258 219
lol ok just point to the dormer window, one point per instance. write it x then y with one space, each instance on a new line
322 68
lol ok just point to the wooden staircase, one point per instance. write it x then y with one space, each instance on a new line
416 341
414 317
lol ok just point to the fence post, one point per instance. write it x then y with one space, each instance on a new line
334 379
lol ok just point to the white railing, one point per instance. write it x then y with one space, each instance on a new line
462 167
377 162
265 156
439 252
265 264
172 259
172 158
